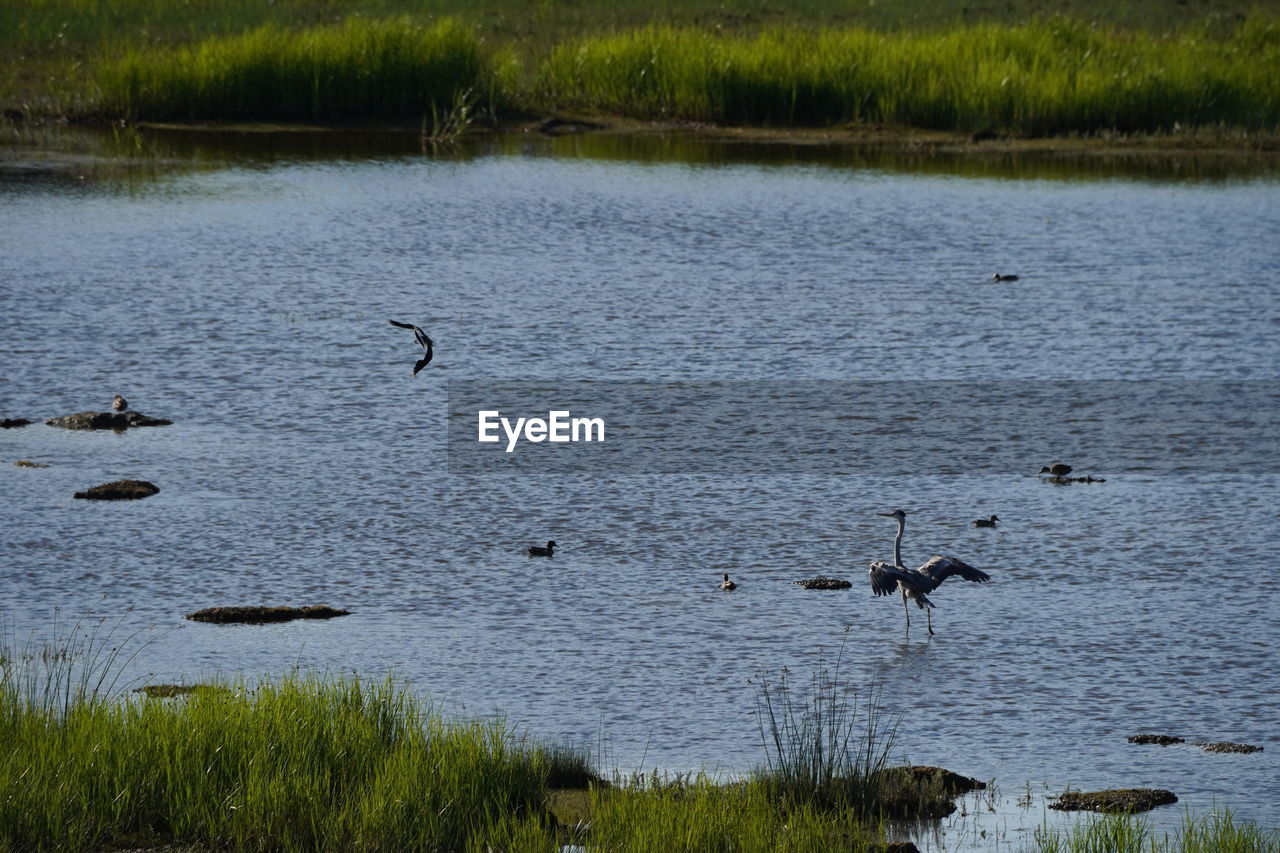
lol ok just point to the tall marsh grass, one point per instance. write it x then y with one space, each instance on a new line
308 763
359 69
1216 832
1039 78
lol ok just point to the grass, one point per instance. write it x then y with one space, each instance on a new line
1134 66
1216 832
1041 78
360 69
318 763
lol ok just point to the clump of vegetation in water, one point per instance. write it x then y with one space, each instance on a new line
1216 832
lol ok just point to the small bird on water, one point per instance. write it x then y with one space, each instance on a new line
999 277
727 584
539 551
1057 469
119 403
986 522
423 341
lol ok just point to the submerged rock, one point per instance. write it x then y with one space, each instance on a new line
1224 746
169 691
265 614
120 490
823 583
1127 800
106 420
1160 740
27 463
12 423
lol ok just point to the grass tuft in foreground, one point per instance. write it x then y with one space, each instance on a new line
360 69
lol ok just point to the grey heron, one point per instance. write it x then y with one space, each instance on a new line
987 522
916 583
539 551
728 584
423 341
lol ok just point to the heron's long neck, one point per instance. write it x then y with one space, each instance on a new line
897 543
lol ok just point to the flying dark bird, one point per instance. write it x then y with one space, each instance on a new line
986 522
119 403
728 584
999 277
423 341
1057 469
539 551
915 583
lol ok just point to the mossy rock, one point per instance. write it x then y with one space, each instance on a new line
27 463
120 490
225 615
106 420
1159 740
1120 800
950 783
823 583
1224 746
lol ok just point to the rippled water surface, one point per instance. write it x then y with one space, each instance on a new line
246 296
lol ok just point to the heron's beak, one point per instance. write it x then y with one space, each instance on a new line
889 514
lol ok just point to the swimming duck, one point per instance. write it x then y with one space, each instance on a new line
986 522
728 584
1057 469
999 277
539 551
119 403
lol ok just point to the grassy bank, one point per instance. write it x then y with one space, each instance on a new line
311 763
1135 66
1035 79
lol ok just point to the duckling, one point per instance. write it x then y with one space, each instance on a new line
119 403
986 522
539 551
727 584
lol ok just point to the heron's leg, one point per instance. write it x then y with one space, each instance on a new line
929 616
905 611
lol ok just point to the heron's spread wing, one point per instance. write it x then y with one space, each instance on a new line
421 363
419 335
884 578
940 568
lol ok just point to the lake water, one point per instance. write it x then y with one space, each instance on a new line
242 287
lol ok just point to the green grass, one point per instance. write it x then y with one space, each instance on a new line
1217 832
393 69
1036 79
1132 66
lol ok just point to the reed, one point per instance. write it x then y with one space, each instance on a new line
1040 78
360 69
308 763
1216 832
822 749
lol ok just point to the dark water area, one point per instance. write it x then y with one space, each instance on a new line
241 286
